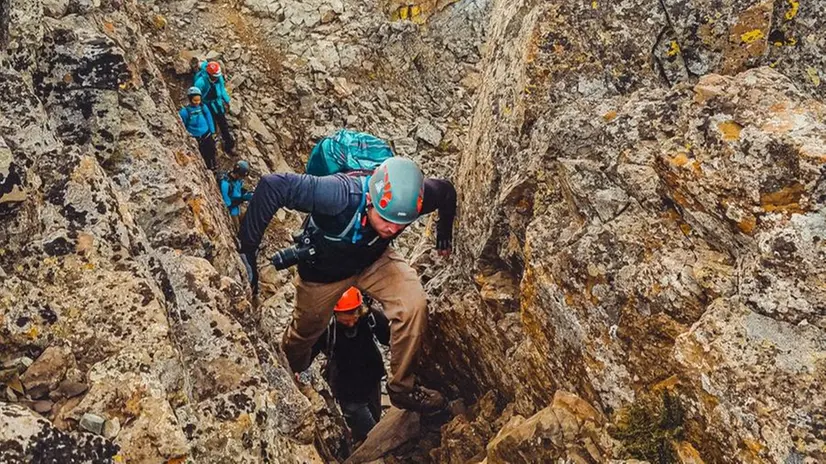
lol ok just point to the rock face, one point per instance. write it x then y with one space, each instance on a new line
118 266
642 224
637 223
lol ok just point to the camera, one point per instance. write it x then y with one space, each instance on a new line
303 250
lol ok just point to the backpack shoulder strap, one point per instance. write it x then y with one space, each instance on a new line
355 222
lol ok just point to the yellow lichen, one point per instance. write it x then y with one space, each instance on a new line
813 75
752 36
594 4
675 48
792 11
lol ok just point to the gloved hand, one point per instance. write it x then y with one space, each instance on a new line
444 241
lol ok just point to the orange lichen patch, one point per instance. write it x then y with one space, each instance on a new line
182 158
730 130
681 159
178 460
195 205
786 199
747 224
609 116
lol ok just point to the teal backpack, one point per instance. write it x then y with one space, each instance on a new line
347 150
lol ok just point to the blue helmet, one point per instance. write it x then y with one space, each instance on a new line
193 91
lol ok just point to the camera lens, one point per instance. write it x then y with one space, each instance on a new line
285 258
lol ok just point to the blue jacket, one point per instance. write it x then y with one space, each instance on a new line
233 192
197 120
214 95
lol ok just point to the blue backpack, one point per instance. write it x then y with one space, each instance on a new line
347 150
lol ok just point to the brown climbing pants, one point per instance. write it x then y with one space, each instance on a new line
391 281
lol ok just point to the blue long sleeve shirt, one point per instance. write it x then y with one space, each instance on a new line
232 191
214 94
197 120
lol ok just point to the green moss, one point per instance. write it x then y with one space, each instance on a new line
648 427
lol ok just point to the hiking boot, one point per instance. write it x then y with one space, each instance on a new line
418 399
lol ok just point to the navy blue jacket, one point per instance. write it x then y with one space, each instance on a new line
332 202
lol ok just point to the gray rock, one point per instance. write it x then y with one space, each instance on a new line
406 146
255 123
93 423
55 8
429 133
214 55
111 428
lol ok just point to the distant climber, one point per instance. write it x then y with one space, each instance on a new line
353 219
354 363
198 122
210 80
233 191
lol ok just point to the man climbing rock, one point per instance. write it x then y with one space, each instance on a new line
198 122
210 80
353 219
354 364
233 191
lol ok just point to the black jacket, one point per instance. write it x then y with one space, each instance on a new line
354 365
332 202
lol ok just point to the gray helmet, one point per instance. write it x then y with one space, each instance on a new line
242 168
193 91
396 188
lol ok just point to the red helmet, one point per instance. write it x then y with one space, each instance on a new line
213 68
350 300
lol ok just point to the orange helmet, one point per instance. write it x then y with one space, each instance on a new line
213 68
350 300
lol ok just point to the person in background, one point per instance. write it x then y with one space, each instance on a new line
198 122
354 363
210 80
233 191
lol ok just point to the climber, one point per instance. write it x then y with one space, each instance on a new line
354 364
198 122
353 219
210 80
233 191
